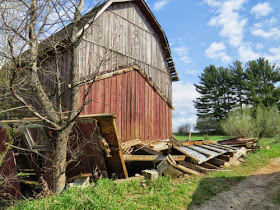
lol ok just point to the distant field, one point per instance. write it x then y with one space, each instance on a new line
198 136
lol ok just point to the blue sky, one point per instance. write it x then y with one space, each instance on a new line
204 32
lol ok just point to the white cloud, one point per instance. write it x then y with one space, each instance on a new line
229 19
183 96
259 46
183 54
261 9
213 3
274 55
217 50
246 53
191 71
160 4
273 33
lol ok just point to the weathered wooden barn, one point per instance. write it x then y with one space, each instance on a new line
135 80
134 83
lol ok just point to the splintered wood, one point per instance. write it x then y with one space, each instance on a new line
175 158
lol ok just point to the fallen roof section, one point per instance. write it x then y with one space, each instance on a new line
203 153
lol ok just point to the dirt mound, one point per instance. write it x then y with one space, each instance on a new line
256 192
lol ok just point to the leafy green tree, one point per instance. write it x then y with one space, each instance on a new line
260 78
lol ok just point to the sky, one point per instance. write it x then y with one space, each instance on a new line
219 32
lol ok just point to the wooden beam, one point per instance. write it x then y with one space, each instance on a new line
148 158
147 149
217 161
131 143
194 167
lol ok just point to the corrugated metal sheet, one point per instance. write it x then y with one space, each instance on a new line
141 111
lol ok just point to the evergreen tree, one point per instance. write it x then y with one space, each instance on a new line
238 84
223 89
260 78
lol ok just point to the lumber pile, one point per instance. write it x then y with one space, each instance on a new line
174 158
249 143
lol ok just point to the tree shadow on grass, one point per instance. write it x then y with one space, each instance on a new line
210 187
257 192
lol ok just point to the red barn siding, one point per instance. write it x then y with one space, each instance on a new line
141 111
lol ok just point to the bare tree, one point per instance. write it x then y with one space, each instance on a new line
24 25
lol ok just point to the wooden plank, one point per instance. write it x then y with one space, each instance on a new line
79 176
133 105
156 158
101 97
209 166
147 149
119 106
131 143
217 161
137 108
194 167
142 110
107 92
108 130
124 105
182 168
113 103
151 130
183 152
175 141
129 111
146 110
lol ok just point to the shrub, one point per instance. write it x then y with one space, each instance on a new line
250 122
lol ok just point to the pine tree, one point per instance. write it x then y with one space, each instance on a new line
260 78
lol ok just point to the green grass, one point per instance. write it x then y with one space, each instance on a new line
163 193
198 136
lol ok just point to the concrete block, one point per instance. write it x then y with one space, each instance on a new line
80 182
150 174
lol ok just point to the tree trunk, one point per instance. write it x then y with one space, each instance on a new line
59 162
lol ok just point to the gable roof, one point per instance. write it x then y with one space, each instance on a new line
92 15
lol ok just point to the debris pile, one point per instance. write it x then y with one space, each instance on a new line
174 158
250 143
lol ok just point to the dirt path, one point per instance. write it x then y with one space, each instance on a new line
256 192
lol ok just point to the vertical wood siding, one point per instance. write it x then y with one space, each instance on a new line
141 112
123 36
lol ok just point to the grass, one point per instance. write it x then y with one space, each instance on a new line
163 193
198 136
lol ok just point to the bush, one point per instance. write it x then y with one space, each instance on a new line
184 129
250 122
240 122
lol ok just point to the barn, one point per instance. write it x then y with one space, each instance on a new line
137 71
128 51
